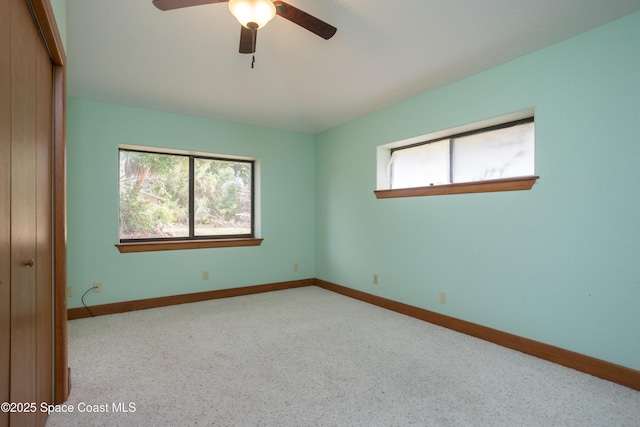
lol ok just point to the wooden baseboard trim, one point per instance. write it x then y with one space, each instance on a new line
125 306
580 362
589 365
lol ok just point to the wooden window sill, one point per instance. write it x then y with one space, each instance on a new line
186 244
509 184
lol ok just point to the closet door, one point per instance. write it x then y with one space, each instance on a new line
24 45
25 215
5 204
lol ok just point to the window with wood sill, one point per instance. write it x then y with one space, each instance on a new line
175 200
494 155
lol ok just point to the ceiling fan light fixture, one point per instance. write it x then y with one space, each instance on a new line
252 14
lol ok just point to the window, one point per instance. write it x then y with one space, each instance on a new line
178 197
490 158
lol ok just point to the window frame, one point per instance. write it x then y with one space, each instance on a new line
384 190
193 241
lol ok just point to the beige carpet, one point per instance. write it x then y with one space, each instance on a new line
310 357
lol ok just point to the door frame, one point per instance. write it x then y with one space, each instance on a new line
47 27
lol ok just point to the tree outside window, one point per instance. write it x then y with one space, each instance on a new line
165 196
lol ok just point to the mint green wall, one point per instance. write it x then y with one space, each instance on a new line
559 264
287 174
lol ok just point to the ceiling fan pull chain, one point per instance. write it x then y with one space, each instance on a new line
253 60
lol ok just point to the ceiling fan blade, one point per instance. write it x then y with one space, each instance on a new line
178 4
247 40
305 20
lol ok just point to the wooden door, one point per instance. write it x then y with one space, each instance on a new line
26 211
23 211
5 204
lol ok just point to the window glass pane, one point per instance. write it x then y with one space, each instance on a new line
154 195
502 153
222 197
421 166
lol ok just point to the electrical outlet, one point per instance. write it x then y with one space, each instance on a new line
205 275
69 291
443 297
375 279
295 267
97 287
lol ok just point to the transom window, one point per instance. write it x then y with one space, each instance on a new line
497 152
496 156
168 196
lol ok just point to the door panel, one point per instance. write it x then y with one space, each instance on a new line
5 204
26 212
24 44
23 209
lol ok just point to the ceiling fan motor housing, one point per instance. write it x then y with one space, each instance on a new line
252 14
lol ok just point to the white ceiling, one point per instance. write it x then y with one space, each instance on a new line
186 61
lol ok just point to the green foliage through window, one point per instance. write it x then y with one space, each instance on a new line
175 196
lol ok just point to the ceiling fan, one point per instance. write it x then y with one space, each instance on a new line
254 14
